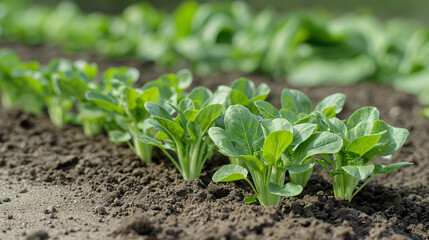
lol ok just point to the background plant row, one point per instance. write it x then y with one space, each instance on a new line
235 119
307 47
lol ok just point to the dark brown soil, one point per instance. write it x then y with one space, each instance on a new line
61 184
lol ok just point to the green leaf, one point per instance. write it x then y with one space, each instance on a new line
359 172
118 136
243 129
171 128
149 95
184 79
336 100
157 111
382 169
392 139
238 97
250 200
361 145
223 143
338 127
277 124
318 143
148 140
300 168
288 190
206 117
199 96
290 115
104 101
302 131
245 86
275 144
229 173
267 110
261 92
296 101
252 162
361 122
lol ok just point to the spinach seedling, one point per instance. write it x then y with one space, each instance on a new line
14 89
125 105
267 148
186 133
297 108
364 137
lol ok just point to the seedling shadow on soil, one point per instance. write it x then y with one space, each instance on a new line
131 198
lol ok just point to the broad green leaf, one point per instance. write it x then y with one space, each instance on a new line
317 143
275 144
277 124
184 79
289 115
118 136
390 141
361 122
222 141
252 162
186 104
104 101
245 86
199 96
157 111
359 172
238 97
250 200
230 173
190 114
217 98
336 99
261 92
267 110
383 169
300 168
148 140
149 95
329 112
243 128
288 190
302 131
361 145
206 117
338 127
296 101
174 130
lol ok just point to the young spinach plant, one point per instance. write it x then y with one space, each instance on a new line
364 137
186 132
267 147
297 109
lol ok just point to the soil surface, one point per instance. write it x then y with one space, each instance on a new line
60 184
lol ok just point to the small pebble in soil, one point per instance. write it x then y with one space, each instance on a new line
23 190
38 235
6 200
9 217
100 210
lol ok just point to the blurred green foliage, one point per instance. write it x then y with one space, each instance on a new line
309 47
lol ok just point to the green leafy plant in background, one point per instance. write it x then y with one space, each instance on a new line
125 107
231 36
15 91
364 137
186 133
267 147
296 107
